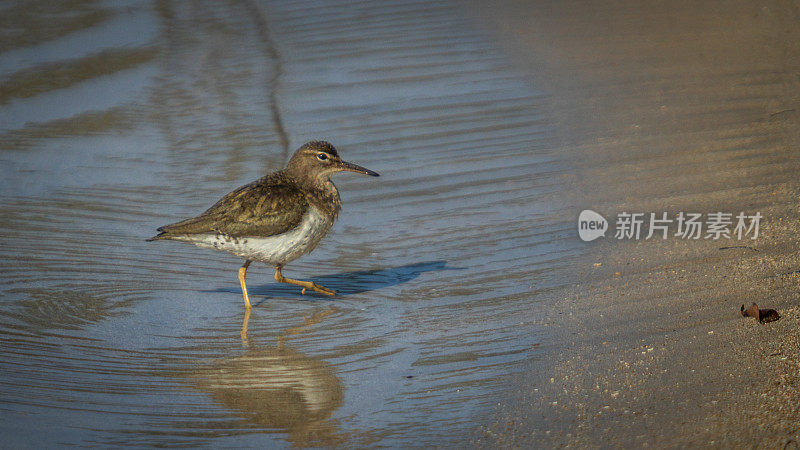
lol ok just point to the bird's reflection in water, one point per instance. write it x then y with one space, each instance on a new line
278 388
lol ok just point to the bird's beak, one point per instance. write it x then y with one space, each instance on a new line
350 167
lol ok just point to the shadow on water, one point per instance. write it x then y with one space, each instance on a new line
277 387
349 283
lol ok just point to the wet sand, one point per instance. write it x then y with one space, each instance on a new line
667 107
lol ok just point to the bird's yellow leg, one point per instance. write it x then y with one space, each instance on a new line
242 271
245 341
304 284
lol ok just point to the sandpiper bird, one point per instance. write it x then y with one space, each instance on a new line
275 219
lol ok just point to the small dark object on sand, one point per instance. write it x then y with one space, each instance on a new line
763 315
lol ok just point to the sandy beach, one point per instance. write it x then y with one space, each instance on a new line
667 107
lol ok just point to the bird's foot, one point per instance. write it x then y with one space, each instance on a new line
315 287
304 284
322 289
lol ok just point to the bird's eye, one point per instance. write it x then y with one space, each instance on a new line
322 156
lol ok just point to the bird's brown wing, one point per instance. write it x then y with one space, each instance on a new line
265 207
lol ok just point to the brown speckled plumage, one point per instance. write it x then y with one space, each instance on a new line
265 207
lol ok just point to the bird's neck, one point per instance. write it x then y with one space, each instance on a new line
322 194
319 190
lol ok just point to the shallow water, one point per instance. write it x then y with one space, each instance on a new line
119 117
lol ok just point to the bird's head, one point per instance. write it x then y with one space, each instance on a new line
318 160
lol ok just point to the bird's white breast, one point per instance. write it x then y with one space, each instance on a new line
278 249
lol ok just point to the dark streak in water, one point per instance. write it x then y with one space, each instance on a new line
61 74
277 72
82 124
23 24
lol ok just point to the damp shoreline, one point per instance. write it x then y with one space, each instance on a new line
666 108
